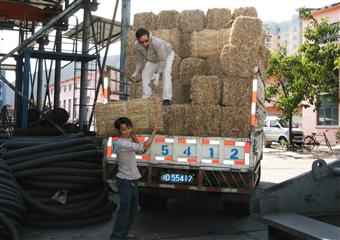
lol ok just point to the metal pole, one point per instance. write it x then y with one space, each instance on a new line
40 74
126 10
27 66
84 68
18 85
75 6
57 71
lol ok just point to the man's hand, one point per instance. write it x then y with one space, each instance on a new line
155 79
156 129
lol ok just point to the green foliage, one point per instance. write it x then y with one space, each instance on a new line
305 76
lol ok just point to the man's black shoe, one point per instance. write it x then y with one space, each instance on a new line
166 103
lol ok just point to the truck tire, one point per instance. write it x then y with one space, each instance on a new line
148 202
239 209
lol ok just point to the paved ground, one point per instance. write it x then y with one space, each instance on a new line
201 219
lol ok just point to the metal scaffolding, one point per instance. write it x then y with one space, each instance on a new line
47 40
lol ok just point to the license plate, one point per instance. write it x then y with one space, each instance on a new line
177 178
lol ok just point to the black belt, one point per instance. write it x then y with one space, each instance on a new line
127 180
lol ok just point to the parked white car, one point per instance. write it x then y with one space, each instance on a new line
277 131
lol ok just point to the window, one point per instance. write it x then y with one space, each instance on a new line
328 112
70 87
64 104
51 92
65 88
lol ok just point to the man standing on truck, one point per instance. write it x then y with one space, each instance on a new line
157 55
126 148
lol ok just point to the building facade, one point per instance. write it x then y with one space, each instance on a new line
70 92
326 118
287 34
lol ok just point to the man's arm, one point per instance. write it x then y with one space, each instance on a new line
148 143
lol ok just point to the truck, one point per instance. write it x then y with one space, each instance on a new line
276 130
201 167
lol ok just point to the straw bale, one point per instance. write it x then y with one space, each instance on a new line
146 20
208 42
237 91
145 114
180 93
131 38
214 66
185 46
235 121
244 11
190 67
191 20
170 36
168 19
247 31
263 60
176 118
136 90
205 90
239 60
176 67
218 18
206 120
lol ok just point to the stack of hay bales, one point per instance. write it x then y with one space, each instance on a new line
213 68
145 114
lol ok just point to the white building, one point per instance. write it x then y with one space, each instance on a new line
287 33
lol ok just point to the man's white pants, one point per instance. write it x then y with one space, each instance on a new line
147 74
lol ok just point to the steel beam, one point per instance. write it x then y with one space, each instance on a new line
74 7
57 70
125 24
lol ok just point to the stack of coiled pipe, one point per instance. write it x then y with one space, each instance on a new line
57 181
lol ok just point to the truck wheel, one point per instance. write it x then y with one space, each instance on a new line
148 201
241 209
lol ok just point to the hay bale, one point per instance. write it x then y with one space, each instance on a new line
170 36
263 60
185 46
236 121
244 11
191 21
208 42
145 114
214 66
191 67
206 120
176 119
146 20
239 60
247 31
180 93
218 18
237 91
205 90
168 19
176 67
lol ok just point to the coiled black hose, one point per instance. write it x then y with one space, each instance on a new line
58 181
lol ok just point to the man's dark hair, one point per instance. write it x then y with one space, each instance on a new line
141 32
123 120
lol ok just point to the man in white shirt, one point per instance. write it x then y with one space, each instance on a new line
157 55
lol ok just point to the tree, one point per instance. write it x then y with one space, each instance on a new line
307 75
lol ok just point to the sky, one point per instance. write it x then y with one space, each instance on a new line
274 10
